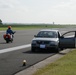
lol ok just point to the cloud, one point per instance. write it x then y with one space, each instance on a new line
38 10
4 4
12 5
71 4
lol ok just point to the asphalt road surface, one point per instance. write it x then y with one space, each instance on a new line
12 62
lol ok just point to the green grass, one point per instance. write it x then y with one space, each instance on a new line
64 66
31 26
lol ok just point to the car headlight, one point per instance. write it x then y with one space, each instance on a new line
33 42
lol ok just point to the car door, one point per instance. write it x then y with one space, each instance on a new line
68 40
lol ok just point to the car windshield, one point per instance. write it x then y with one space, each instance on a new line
48 34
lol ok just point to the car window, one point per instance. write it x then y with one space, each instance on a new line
50 34
70 34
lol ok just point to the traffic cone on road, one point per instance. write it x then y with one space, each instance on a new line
24 62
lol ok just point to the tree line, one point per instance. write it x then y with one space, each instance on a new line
0 22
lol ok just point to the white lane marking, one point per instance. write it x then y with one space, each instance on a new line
14 48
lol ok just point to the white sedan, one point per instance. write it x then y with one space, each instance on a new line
48 39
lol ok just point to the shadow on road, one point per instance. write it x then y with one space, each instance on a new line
3 43
38 52
43 52
62 53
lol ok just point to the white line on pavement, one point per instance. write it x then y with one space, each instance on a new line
14 48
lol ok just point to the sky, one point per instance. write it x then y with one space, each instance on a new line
38 11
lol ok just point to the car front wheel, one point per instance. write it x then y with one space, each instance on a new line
32 49
57 50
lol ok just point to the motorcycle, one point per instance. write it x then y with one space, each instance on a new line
8 38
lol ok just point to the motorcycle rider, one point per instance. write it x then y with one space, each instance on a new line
10 31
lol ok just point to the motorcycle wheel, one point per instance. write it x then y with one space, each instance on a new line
7 41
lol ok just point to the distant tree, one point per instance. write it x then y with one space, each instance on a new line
0 21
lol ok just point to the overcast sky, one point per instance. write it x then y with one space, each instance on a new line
38 11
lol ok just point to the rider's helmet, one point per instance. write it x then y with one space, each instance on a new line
9 27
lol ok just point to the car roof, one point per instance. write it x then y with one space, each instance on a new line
49 30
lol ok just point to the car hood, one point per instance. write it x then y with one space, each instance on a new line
46 39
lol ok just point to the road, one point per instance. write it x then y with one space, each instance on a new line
11 62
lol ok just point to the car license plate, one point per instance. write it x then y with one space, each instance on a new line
42 46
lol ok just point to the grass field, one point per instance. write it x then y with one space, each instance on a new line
23 27
32 26
64 66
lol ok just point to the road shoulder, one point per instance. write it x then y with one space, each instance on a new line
34 68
